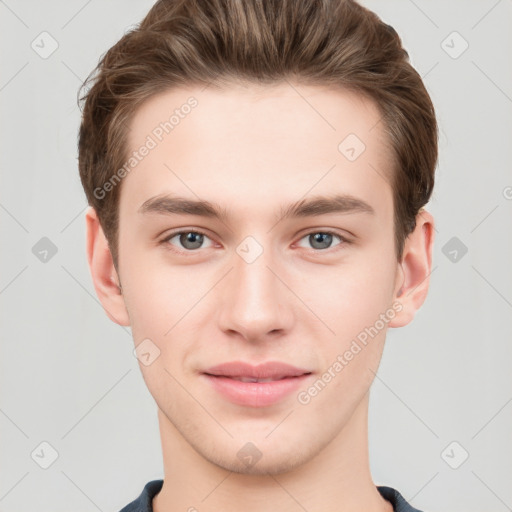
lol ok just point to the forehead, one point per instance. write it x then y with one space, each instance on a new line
262 143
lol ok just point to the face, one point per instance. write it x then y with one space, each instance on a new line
260 282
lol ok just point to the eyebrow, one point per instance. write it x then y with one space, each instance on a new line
309 207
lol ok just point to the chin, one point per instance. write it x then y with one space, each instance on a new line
268 461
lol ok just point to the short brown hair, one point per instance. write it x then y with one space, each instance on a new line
314 42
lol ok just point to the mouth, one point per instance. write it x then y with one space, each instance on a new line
265 372
254 379
255 386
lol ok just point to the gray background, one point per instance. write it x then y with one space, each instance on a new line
68 375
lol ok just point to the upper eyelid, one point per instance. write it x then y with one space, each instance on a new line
181 231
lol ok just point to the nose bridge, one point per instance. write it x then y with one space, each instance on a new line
254 300
254 279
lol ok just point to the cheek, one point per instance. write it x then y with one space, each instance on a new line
156 292
338 300
353 305
347 297
156 302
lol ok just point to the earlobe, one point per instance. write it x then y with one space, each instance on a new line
103 272
415 268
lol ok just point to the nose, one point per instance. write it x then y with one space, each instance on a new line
255 302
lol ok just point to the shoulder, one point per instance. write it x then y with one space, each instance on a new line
143 502
396 499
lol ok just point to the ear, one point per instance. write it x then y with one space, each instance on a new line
103 272
413 276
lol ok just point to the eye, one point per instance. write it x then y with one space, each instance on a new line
322 240
189 240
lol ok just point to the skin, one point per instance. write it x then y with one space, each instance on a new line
253 149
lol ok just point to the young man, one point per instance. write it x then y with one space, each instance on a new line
256 172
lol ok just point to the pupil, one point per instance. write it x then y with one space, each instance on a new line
191 240
322 238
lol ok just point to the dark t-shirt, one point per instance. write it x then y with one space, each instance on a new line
151 489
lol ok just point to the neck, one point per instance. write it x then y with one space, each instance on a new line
337 479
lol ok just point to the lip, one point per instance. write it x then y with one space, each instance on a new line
285 380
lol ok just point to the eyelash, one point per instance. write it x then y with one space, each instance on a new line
343 241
